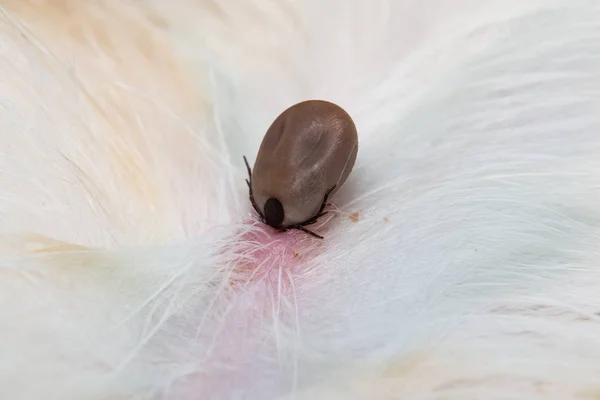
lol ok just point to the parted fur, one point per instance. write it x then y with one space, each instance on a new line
461 257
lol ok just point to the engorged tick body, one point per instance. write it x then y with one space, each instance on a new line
304 158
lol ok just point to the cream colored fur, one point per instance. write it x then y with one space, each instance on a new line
462 260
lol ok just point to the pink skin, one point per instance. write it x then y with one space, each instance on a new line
269 251
256 298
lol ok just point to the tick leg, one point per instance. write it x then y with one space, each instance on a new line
316 217
254 204
313 219
307 231
248 168
251 195
320 213
327 193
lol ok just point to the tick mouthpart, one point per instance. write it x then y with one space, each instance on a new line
274 213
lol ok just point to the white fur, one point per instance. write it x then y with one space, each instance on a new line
471 273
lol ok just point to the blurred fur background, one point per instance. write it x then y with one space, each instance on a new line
462 260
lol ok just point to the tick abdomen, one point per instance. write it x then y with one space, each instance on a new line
309 148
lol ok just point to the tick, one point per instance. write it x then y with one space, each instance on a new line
305 156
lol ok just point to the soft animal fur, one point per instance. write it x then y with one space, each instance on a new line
461 259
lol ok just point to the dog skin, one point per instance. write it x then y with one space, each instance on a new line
460 258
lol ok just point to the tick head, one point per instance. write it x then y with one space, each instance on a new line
273 212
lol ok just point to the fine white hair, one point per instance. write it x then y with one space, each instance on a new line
461 259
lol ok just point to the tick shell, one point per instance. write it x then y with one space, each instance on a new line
309 148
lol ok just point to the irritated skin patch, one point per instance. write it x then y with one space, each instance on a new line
259 293
268 254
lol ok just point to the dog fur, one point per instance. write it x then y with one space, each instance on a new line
460 259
